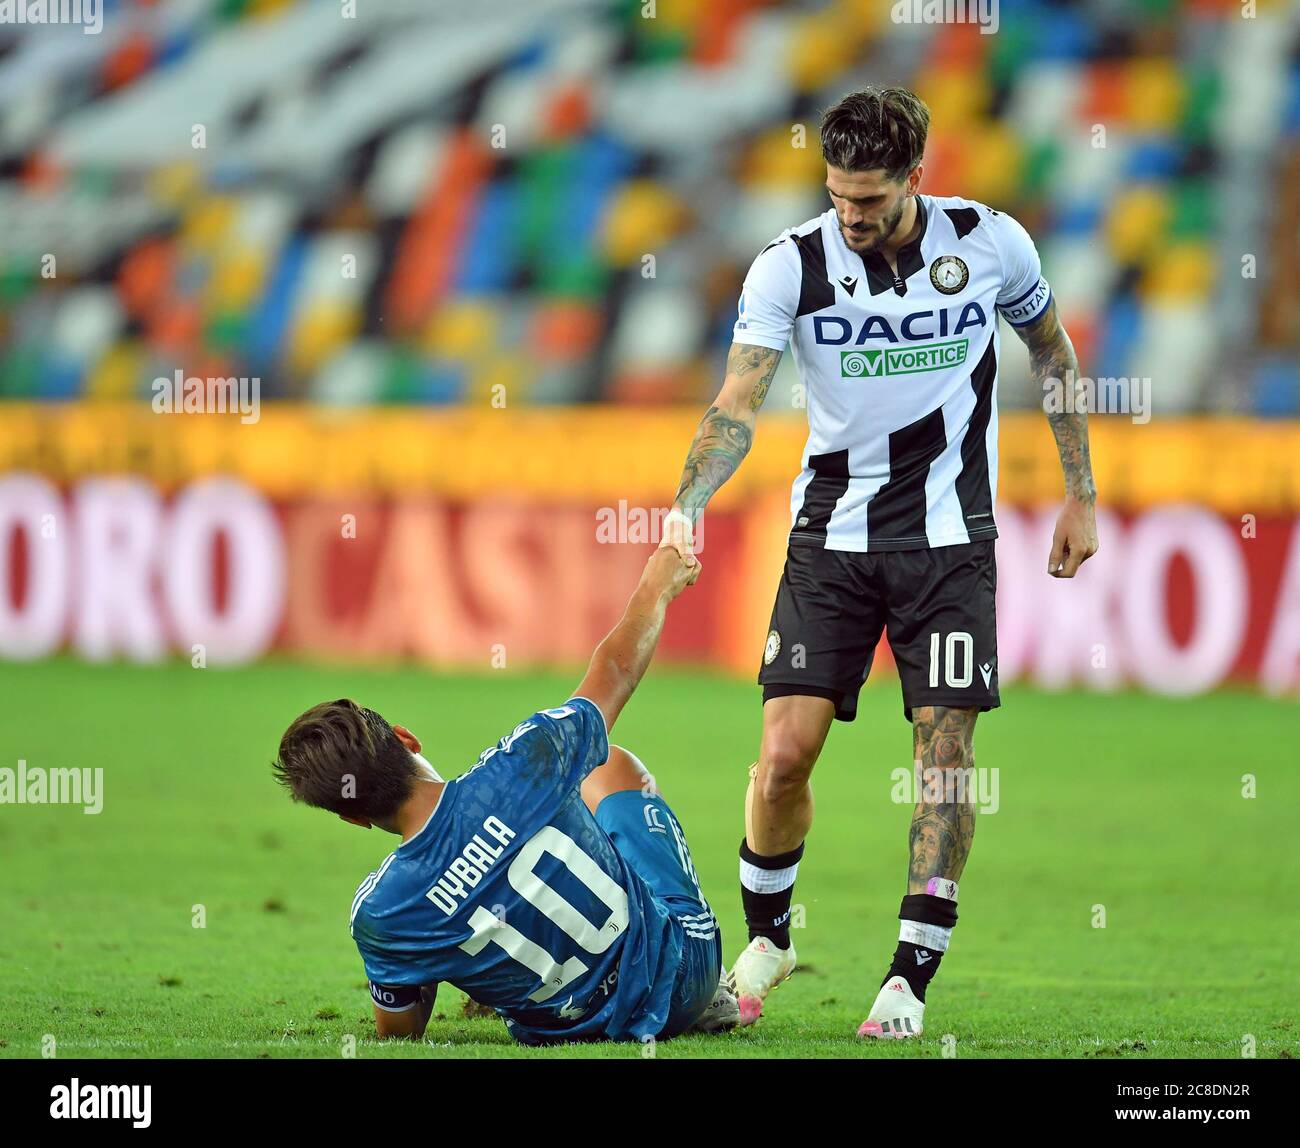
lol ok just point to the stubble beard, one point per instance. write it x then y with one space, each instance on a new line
874 240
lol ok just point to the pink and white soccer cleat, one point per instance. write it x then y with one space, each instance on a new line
897 1013
757 971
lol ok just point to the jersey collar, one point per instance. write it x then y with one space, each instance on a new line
446 785
879 276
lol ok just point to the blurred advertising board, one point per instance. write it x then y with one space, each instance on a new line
471 539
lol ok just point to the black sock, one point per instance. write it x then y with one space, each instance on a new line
917 963
767 911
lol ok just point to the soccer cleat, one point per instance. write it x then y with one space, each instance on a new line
723 1012
757 971
897 1013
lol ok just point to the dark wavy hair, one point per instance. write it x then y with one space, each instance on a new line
876 128
345 758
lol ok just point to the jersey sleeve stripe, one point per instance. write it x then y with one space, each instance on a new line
368 887
600 713
402 1008
1017 302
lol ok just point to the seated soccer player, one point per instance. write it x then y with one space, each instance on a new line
549 881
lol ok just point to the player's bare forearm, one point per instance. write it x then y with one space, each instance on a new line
622 658
943 823
726 432
1053 363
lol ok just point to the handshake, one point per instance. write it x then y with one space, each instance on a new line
674 565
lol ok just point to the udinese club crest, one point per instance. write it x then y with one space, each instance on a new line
949 274
772 648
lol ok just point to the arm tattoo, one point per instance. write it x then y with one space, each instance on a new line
1054 364
722 441
760 362
719 445
943 824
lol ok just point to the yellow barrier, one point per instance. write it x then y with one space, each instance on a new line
606 453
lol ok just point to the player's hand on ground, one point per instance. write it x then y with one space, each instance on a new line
1075 539
679 534
669 573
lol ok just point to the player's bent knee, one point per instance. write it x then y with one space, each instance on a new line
794 731
944 735
784 769
621 772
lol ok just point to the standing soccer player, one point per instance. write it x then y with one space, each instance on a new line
889 301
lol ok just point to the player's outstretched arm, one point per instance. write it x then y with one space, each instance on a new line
622 658
723 439
1055 365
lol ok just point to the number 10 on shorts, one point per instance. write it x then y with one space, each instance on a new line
957 640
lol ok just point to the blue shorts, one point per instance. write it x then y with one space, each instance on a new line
650 839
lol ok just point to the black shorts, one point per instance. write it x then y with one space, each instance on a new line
938 606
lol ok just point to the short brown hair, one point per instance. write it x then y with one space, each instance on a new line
874 128
345 758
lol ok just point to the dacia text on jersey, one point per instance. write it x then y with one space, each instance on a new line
834 330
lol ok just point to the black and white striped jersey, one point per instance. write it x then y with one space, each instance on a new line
899 373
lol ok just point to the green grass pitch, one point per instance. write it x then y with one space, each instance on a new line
1129 802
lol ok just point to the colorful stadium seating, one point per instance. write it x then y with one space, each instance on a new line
564 198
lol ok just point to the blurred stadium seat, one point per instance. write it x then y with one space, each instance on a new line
255 187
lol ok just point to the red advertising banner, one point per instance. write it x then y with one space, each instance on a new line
1180 598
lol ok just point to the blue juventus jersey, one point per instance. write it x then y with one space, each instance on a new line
512 893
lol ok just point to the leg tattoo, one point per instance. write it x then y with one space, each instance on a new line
943 824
